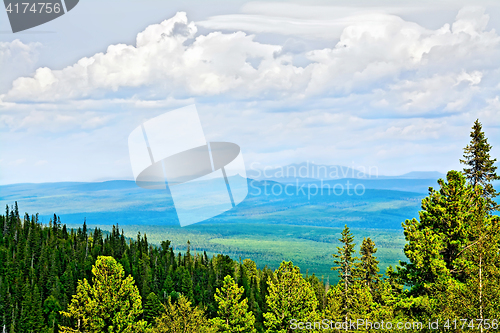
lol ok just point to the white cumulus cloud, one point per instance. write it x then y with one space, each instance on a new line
399 62
16 59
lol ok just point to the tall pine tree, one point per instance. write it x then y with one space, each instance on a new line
479 166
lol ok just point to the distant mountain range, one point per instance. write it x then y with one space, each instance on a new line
419 175
313 172
358 203
362 199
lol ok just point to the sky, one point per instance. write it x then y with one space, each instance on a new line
394 85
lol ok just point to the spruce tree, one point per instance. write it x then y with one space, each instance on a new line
184 282
254 300
152 307
168 284
51 308
367 269
37 320
319 290
345 262
480 168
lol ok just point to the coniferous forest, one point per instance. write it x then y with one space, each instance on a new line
55 279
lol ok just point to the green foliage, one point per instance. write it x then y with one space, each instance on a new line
184 283
31 311
181 316
232 313
319 290
454 254
343 308
367 269
111 304
476 293
152 308
51 308
290 297
436 242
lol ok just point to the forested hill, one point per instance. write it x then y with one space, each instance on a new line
40 266
57 280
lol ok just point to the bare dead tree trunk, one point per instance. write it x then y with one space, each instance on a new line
481 289
86 247
345 291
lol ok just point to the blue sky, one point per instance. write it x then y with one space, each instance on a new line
391 84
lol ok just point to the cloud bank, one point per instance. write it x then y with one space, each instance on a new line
397 64
387 91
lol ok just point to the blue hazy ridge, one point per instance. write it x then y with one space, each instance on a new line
379 203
